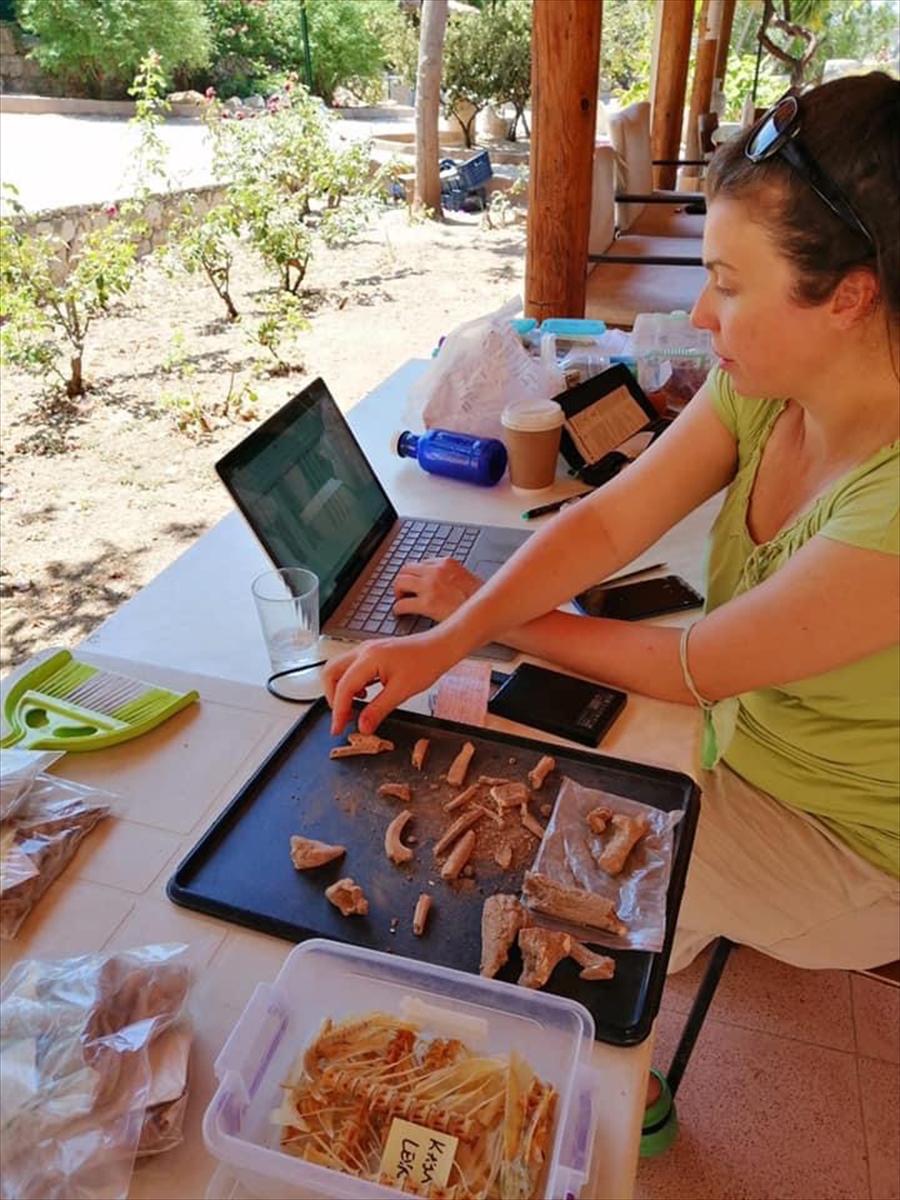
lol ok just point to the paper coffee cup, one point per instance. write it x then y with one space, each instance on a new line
531 430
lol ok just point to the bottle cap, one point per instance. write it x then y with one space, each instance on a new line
395 441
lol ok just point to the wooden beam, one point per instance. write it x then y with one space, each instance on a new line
728 7
673 51
565 48
704 66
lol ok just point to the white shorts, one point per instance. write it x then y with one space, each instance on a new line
773 878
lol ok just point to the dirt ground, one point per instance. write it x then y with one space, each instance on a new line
97 499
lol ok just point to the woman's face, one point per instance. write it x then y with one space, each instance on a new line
770 345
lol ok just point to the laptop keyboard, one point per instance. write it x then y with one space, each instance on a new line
373 612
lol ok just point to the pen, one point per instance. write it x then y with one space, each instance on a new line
554 506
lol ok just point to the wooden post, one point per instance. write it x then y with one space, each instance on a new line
705 64
728 7
672 54
565 46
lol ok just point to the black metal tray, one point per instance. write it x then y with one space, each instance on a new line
241 868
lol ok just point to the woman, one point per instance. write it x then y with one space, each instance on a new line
796 662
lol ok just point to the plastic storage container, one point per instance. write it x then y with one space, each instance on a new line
322 979
457 455
672 358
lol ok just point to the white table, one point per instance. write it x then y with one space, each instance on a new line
195 626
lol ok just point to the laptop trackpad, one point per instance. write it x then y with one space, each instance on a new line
484 568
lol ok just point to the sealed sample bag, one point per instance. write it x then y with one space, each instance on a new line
93 1070
45 829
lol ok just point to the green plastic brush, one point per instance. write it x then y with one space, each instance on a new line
64 704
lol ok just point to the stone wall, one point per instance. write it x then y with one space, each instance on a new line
71 225
18 73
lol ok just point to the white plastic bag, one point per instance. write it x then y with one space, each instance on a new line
481 368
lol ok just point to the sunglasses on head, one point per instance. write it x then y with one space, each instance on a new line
776 133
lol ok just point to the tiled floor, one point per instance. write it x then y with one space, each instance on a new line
792 1092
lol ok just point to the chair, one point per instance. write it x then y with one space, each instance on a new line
641 208
631 274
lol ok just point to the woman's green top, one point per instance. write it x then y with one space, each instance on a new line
828 745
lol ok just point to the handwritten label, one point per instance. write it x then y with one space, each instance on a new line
419 1155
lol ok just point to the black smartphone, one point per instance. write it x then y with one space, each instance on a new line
572 708
634 601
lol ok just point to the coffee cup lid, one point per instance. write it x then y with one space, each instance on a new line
532 415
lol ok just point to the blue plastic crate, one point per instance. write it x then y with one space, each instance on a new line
464 181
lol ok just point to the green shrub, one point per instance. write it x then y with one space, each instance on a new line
345 45
96 46
290 186
47 311
246 44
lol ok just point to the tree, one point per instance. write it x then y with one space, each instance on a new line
96 46
797 64
468 79
428 101
511 30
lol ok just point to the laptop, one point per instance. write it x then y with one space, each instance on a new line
312 499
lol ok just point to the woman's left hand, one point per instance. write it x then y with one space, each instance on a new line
435 587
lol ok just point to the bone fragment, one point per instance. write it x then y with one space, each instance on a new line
528 821
461 798
486 812
502 916
420 916
594 966
460 765
307 852
459 856
598 819
493 780
361 743
452 832
541 950
393 846
570 904
347 896
628 832
503 856
510 795
396 791
539 773
420 753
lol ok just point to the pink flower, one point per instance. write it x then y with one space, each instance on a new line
112 211
226 115
289 85
210 93
239 116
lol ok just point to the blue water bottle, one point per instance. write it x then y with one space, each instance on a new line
456 455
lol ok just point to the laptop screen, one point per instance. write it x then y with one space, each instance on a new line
309 494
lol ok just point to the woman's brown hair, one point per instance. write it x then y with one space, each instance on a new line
850 127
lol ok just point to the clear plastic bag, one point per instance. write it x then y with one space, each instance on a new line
567 855
79 1067
481 368
39 839
18 771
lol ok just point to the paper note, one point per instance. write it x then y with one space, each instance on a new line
463 693
603 426
416 1155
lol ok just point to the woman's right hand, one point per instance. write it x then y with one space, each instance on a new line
435 587
403 666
